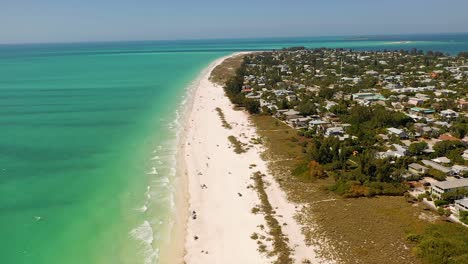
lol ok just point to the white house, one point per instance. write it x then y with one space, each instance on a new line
441 187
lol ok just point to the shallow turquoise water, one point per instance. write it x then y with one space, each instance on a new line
87 141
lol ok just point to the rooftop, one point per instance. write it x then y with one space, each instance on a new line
452 184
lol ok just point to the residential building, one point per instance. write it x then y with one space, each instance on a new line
436 166
441 187
398 132
461 205
416 168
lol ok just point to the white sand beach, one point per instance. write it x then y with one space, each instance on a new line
220 219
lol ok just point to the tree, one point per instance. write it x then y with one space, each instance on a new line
459 130
306 108
253 106
417 148
441 148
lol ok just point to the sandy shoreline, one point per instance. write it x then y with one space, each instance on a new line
214 221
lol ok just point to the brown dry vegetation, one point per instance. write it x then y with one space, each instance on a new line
226 70
365 230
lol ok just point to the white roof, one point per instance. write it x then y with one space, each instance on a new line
463 202
395 130
451 184
442 160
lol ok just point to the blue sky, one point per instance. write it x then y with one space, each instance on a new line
23 21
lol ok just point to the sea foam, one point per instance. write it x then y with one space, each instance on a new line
144 234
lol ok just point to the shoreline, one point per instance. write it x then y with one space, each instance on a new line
215 198
174 250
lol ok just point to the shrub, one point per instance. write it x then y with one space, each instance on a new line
440 202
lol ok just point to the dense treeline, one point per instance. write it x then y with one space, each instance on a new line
233 89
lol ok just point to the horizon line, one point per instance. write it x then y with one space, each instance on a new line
230 38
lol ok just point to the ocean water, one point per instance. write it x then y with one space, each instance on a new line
88 138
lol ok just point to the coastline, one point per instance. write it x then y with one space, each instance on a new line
215 197
174 250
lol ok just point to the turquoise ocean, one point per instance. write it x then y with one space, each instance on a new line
88 135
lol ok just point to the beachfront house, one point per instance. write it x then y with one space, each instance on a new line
417 169
440 187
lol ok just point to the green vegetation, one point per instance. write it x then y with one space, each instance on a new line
280 245
252 106
223 118
440 202
417 148
464 217
444 244
238 146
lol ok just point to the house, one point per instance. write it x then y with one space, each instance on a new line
436 166
398 132
459 169
448 137
465 154
371 72
415 101
441 187
418 169
421 111
334 131
291 98
400 151
463 105
442 160
300 122
291 114
246 89
319 124
449 113
461 205
368 97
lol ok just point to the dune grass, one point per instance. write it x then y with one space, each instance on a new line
238 146
281 248
226 70
223 118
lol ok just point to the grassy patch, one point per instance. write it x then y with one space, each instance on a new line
361 230
443 244
226 70
223 118
280 246
238 146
